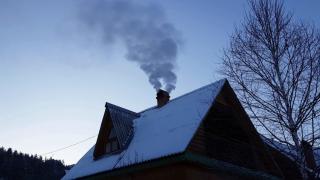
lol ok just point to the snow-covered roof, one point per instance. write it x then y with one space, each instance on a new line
285 149
158 132
289 150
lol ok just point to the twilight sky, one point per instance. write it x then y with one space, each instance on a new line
56 75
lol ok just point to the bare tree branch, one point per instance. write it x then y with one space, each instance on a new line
273 63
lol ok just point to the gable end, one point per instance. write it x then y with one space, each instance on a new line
227 134
115 132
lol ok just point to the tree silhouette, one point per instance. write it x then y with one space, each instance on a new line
16 166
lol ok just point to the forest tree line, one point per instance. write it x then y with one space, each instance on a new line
17 165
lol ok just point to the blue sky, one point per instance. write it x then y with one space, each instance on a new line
55 77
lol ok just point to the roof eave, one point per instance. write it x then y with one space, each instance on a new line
213 164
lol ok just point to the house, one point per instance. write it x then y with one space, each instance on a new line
204 134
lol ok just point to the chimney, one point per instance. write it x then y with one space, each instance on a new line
162 98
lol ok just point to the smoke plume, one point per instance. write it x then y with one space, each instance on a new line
151 41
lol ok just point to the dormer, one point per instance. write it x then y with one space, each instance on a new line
116 131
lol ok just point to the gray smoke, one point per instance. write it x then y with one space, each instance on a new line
150 40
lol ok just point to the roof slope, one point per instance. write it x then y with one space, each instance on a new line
158 132
289 150
122 120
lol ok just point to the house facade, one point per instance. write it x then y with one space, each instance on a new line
204 134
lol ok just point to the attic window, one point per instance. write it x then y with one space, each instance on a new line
112 144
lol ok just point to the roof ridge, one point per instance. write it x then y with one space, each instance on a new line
198 89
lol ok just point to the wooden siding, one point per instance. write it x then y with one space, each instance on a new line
102 140
288 168
214 139
227 134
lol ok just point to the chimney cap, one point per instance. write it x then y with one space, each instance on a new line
162 93
162 97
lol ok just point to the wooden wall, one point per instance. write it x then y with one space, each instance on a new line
227 134
287 166
102 139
